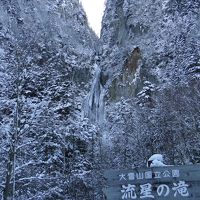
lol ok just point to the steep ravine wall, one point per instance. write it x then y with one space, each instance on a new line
149 61
166 34
46 59
144 97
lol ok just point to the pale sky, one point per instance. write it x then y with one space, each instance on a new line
94 10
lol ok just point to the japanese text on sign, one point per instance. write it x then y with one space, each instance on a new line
179 189
150 175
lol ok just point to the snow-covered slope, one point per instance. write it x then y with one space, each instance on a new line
166 33
150 70
138 85
46 59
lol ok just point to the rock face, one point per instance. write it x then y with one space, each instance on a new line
138 88
150 58
165 32
46 50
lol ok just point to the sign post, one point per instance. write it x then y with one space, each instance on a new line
162 183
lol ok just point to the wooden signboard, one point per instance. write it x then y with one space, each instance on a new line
162 183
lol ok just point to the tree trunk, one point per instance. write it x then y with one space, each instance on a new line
7 188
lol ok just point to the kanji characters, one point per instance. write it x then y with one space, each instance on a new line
175 173
148 175
140 175
131 176
128 192
122 177
145 191
166 174
181 189
162 190
157 174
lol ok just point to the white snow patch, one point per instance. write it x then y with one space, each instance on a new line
2 53
156 160
164 3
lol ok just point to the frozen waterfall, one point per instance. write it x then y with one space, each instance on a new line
94 105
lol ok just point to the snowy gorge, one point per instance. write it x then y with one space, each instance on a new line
72 105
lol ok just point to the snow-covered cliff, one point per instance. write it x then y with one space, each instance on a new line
165 32
46 59
150 69
72 105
